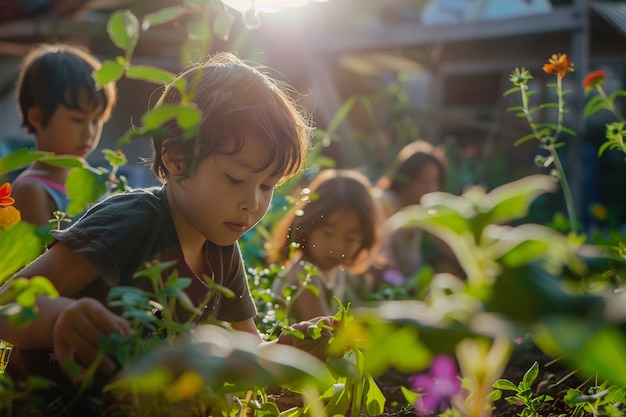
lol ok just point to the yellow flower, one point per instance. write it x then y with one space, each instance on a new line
189 384
559 64
9 216
352 335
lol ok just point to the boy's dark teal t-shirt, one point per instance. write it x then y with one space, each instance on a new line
118 235
123 232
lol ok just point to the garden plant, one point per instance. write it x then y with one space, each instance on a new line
526 286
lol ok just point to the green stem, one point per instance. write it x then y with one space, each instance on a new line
609 104
567 193
357 393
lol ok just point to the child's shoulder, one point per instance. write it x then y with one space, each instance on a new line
131 201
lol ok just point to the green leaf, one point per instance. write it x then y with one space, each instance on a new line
604 146
84 187
505 384
415 356
110 71
19 245
150 74
409 396
65 161
186 115
20 158
525 252
511 91
135 133
123 28
595 104
512 200
115 158
373 397
524 139
603 355
530 375
161 16
568 131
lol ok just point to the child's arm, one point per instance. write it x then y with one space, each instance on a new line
70 327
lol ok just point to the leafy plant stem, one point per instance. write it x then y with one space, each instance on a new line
357 394
609 103
550 146
567 193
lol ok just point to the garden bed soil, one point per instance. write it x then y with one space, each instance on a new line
550 372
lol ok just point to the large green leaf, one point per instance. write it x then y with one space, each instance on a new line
123 29
186 116
149 73
511 201
595 351
19 245
19 159
110 71
223 356
373 398
84 187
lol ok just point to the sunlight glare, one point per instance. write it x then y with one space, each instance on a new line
267 6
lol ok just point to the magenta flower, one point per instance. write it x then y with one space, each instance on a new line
437 386
393 277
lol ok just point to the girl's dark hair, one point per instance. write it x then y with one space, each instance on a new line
409 164
331 190
56 74
234 98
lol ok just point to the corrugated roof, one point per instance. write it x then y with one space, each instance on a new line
614 13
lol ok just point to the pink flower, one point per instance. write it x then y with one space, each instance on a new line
393 277
437 387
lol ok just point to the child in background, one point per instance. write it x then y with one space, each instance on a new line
59 104
333 227
217 186
419 168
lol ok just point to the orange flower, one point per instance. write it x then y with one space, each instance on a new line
593 79
9 216
559 64
5 195
599 212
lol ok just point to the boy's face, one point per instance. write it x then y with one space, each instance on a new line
225 196
336 242
69 131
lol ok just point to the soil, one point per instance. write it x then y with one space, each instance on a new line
554 379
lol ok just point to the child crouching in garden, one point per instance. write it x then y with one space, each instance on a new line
332 229
216 187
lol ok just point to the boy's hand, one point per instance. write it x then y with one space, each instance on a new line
78 328
316 347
